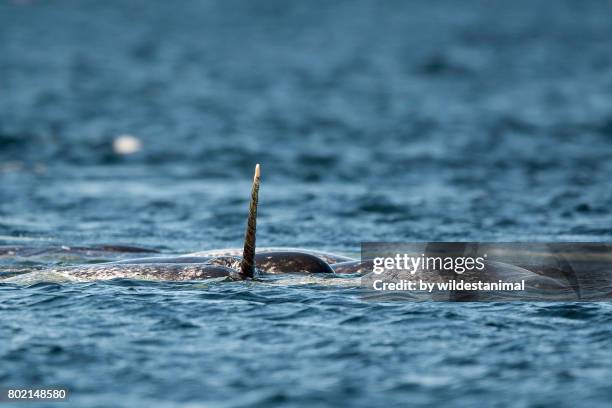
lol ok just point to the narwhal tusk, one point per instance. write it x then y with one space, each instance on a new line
247 266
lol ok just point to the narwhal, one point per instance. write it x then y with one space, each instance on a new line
215 264
247 263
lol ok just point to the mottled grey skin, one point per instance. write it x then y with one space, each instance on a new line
353 267
286 262
149 271
267 262
186 268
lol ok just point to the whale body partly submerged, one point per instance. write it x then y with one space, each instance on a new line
237 264
247 263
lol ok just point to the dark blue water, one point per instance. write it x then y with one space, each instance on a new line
394 121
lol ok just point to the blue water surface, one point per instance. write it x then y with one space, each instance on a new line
372 121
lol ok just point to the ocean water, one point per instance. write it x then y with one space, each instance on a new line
394 121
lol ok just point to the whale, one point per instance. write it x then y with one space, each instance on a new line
248 262
233 263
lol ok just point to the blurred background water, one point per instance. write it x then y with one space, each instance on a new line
138 123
